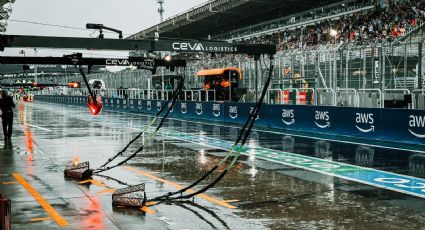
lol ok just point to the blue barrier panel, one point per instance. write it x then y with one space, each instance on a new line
393 125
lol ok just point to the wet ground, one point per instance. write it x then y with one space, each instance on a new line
256 194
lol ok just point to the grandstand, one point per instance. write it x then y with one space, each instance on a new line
347 53
221 16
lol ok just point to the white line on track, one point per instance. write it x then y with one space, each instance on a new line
38 127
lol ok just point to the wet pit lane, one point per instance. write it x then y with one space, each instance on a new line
255 194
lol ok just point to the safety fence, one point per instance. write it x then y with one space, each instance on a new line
347 97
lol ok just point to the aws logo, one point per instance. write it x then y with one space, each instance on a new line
149 105
183 107
288 116
198 108
124 104
416 122
139 104
118 103
112 102
365 119
322 119
170 107
158 105
252 109
216 110
131 104
233 112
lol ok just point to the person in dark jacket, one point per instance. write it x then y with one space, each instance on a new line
6 106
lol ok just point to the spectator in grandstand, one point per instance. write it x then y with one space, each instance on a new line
391 19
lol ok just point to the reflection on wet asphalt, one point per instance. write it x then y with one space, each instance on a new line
267 195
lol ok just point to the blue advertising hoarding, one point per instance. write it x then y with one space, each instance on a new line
390 125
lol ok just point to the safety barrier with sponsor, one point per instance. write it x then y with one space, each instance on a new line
401 126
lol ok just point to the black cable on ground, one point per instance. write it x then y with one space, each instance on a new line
173 100
242 136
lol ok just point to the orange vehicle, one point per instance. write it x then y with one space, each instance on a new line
223 81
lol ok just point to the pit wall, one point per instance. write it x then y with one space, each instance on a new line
393 126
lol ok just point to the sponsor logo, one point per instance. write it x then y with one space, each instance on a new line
124 104
233 112
149 105
322 119
145 64
365 118
416 122
250 111
402 183
42 66
118 103
198 108
131 104
183 107
158 105
288 116
216 110
112 103
139 104
196 46
170 107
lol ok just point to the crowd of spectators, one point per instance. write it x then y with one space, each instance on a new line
390 20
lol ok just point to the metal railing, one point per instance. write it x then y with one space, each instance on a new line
369 98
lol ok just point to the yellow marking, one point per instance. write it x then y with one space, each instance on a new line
230 201
10 182
205 197
150 203
147 210
47 207
40 219
109 190
95 182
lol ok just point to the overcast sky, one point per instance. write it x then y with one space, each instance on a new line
130 16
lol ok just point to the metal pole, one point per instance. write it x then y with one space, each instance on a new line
420 86
346 67
405 68
381 78
364 69
256 58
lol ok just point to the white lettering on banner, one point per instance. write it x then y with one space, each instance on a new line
233 112
250 111
198 108
416 122
170 107
216 110
322 116
188 46
149 105
400 182
288 114
183 107
149 63
392 180
365 118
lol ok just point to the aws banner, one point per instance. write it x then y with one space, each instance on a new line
392 125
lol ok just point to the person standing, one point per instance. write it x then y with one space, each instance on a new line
6 106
